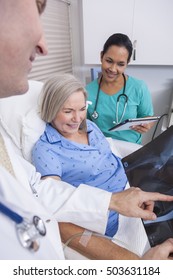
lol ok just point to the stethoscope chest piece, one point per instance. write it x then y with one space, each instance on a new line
95 115
29 233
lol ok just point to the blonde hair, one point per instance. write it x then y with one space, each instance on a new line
56 90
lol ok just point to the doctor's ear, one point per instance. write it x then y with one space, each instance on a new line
101 55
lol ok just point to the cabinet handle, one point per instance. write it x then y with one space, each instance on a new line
134 49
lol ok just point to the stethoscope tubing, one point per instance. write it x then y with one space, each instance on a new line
11 214
28 233
95 114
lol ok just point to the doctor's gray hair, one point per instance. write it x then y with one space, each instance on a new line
56 90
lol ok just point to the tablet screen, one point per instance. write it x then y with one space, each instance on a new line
127 124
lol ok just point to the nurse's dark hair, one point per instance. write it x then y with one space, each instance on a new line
121 40
56 90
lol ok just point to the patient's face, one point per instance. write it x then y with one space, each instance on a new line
21 38
71 115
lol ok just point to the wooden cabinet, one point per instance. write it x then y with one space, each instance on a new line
149 23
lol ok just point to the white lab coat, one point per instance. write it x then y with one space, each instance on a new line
18 199
84 206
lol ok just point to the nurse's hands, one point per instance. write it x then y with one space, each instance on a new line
143 127
134 202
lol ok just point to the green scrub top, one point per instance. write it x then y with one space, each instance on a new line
139 105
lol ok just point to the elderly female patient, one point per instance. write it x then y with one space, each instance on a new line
72 148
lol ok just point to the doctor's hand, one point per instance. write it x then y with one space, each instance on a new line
134 202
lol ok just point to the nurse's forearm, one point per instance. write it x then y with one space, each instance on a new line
97 248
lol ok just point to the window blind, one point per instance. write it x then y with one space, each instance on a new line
56 25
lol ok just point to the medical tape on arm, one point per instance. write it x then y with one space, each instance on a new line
86 235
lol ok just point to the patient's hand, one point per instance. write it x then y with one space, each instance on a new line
134 202
160 252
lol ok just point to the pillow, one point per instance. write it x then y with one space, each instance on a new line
32 128
14 109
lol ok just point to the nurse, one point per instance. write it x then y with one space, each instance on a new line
115 96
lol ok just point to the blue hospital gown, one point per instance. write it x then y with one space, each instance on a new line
74 163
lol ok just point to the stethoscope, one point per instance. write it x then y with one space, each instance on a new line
28 232
95 114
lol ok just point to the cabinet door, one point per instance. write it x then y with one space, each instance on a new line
102 18
153 32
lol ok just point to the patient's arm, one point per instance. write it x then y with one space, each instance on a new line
98 248
53 177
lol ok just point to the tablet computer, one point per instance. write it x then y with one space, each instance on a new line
127 124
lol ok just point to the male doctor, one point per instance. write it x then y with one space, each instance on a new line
28 226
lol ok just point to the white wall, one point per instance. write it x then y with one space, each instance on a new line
158 78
